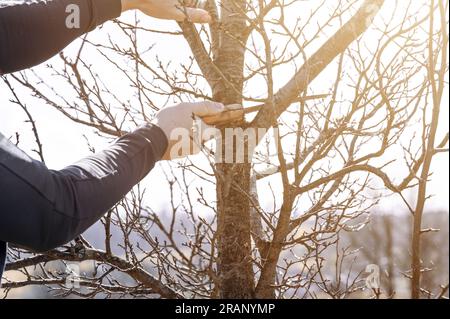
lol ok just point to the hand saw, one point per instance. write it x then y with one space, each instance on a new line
237 112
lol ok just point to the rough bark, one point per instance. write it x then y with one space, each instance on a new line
233 179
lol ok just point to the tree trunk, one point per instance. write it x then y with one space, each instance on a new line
429 143
233 179
234 244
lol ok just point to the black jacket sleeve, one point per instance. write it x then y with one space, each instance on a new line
31 33
3 250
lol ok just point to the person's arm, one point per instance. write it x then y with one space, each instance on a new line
42 208
31 33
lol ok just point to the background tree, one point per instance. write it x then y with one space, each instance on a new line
343 87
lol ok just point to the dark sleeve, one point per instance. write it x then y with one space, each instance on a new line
3 250
31 33
41 209
91 186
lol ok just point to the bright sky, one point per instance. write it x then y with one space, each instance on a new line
64 142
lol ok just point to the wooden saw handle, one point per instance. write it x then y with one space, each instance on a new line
224 117
229 116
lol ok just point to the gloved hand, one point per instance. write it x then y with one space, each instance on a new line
177 123
170 9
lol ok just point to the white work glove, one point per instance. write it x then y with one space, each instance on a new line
177 123
178 10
